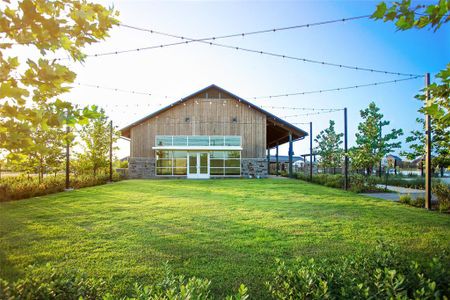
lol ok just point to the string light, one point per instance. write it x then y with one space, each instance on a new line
298 108
118 89
243 34
311 114
187 40
265 97
335 89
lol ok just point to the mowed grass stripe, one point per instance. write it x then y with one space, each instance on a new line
229 231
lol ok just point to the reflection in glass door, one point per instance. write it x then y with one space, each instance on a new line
198 165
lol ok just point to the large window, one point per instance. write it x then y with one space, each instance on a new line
197 140
171 163
224 163
221 163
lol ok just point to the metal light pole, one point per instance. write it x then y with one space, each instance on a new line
110 149
67 158
345 151
427 148
310 152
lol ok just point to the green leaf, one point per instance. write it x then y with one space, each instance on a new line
381 10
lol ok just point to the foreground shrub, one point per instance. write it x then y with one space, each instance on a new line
382 274
378 276
405 199
358 183
21 187
442 192
418 202
47 283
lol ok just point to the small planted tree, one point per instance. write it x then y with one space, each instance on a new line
440 142
372 145
329 148
95 141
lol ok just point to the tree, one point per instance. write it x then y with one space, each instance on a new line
372 145
30 93
96 138
329 147
440 142
423 16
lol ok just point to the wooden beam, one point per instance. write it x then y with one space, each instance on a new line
278 165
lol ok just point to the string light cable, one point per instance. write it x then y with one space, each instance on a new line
244 34
187 40
313 113
266 96
335 89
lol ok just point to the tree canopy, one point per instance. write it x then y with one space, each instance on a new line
371 144
329 147
32 88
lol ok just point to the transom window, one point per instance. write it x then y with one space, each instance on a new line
197 140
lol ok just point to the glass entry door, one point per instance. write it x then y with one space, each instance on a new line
198 165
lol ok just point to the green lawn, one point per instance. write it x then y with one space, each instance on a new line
229 231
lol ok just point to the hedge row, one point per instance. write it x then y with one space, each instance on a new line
22 187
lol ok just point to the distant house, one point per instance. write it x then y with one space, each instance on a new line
210 133
393 161
283 163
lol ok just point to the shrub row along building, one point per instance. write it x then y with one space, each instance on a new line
210 133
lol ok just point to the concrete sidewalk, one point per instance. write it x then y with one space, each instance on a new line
397 192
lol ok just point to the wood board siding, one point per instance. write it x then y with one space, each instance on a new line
206 116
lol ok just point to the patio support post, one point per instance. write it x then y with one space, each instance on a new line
290 155
268 160
277 163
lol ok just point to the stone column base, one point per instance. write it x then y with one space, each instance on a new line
141 167
254 167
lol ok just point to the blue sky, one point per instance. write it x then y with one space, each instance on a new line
180 70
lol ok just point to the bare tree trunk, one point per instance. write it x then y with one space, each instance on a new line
41 171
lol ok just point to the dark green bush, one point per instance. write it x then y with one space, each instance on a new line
381 275
358 183
22 187
177 287
442 192
418 202
405 199
47 283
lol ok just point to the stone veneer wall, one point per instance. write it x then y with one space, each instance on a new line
141 167
254 167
